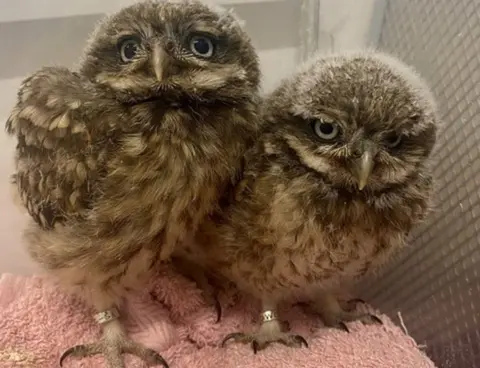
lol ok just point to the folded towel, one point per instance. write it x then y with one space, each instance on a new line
38 322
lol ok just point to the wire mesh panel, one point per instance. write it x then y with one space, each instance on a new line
435 284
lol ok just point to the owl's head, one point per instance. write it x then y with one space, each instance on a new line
160 49
364 120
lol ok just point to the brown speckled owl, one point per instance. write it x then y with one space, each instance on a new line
117 162
331 188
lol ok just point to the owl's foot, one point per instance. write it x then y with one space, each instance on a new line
340 319
270 331
112 346
333 315
113 351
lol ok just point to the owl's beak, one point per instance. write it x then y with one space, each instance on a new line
363 167
159 61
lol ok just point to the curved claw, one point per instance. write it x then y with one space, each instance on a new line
344 326
218 309
65 354
96 348
149 355
376 319
255 346
233 335
159 360
78 350
301 340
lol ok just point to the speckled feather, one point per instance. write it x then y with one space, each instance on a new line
299 222
116 168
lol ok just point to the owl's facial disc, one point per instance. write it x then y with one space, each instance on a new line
169 51
163 61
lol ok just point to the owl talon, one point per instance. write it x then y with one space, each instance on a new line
333 315
255 346
340 321
113 353
376 319
268 333
81 351
300 340
236 336
218 309
343 326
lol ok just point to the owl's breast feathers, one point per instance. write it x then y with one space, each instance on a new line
298 231
128 171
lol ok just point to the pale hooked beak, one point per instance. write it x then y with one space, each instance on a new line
159 61
363 167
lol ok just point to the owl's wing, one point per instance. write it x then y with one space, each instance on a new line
56 165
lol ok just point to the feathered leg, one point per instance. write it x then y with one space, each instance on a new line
100 285
113 344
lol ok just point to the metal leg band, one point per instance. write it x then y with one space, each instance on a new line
268 316
107 316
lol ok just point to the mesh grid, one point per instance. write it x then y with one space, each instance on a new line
435 283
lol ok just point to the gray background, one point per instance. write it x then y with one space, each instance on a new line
435 284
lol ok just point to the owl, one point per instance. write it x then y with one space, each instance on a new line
119 160
336 180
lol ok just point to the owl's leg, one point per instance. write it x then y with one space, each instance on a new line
206 284
113 344
333 315
270 330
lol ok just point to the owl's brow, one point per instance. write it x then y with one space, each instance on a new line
204 28
132 32
339 116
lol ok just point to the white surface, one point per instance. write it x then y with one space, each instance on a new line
13 257
8 88
17 10
349 24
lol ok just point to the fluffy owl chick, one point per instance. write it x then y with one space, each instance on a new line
118 161
331 188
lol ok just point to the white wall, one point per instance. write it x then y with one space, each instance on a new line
349 24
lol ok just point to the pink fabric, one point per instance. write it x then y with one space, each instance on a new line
38 322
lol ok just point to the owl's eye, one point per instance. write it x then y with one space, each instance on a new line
326 130
393 140
202 46
128 48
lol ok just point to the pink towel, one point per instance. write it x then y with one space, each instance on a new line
38 322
